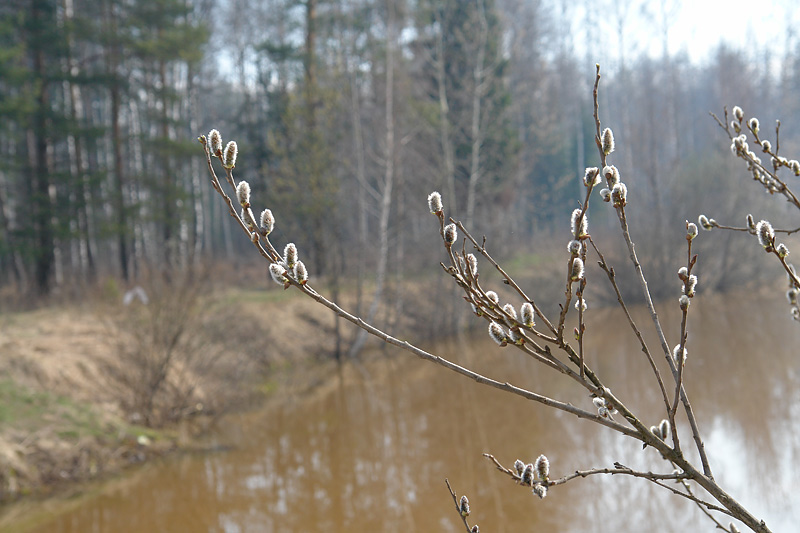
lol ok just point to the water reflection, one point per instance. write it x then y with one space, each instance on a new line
372 454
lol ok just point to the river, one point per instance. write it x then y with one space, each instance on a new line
371 450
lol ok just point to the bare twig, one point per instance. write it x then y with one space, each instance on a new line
458 506
620 469
613 279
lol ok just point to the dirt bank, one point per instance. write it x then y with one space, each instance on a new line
80 394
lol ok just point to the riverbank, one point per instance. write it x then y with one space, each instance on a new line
91 388
80 400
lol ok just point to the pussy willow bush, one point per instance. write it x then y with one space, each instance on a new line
523 326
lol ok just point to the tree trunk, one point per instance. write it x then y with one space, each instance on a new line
444 121
475 129
388 183
76 152
42 206
167 188
118 198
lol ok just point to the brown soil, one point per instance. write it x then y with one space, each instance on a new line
64 416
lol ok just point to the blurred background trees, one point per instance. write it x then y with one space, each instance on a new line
347 113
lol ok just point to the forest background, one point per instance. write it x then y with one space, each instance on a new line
349 113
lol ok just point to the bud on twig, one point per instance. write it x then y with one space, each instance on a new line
765 234
591 176
290 255
576 270
277 272
684 302
691 283
581 230
676 357
435 202
751 224
663 428
509 309
782 250
519 466
542 467
611 174
527 475
704 222
450 235
215 141
574 247
738 114
243 193
619 195
463 506
493 297
472 262
607 141
300 273
739 145
497 333
248 219
267 221
229 157
527 315
753 125
691 231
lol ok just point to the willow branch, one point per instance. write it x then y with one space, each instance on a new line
619 469
458 507
481 248
612 277
648 299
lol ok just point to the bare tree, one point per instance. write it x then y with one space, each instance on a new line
387 184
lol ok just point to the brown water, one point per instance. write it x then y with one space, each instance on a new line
371 454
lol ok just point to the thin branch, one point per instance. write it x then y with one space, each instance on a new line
747 230
619 469
648 299
704 508
681 360
507 279
613 279
755 165
458 506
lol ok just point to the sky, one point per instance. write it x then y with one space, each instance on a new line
695 28
699 26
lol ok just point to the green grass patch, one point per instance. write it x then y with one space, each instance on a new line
22 409
19 405
522 262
